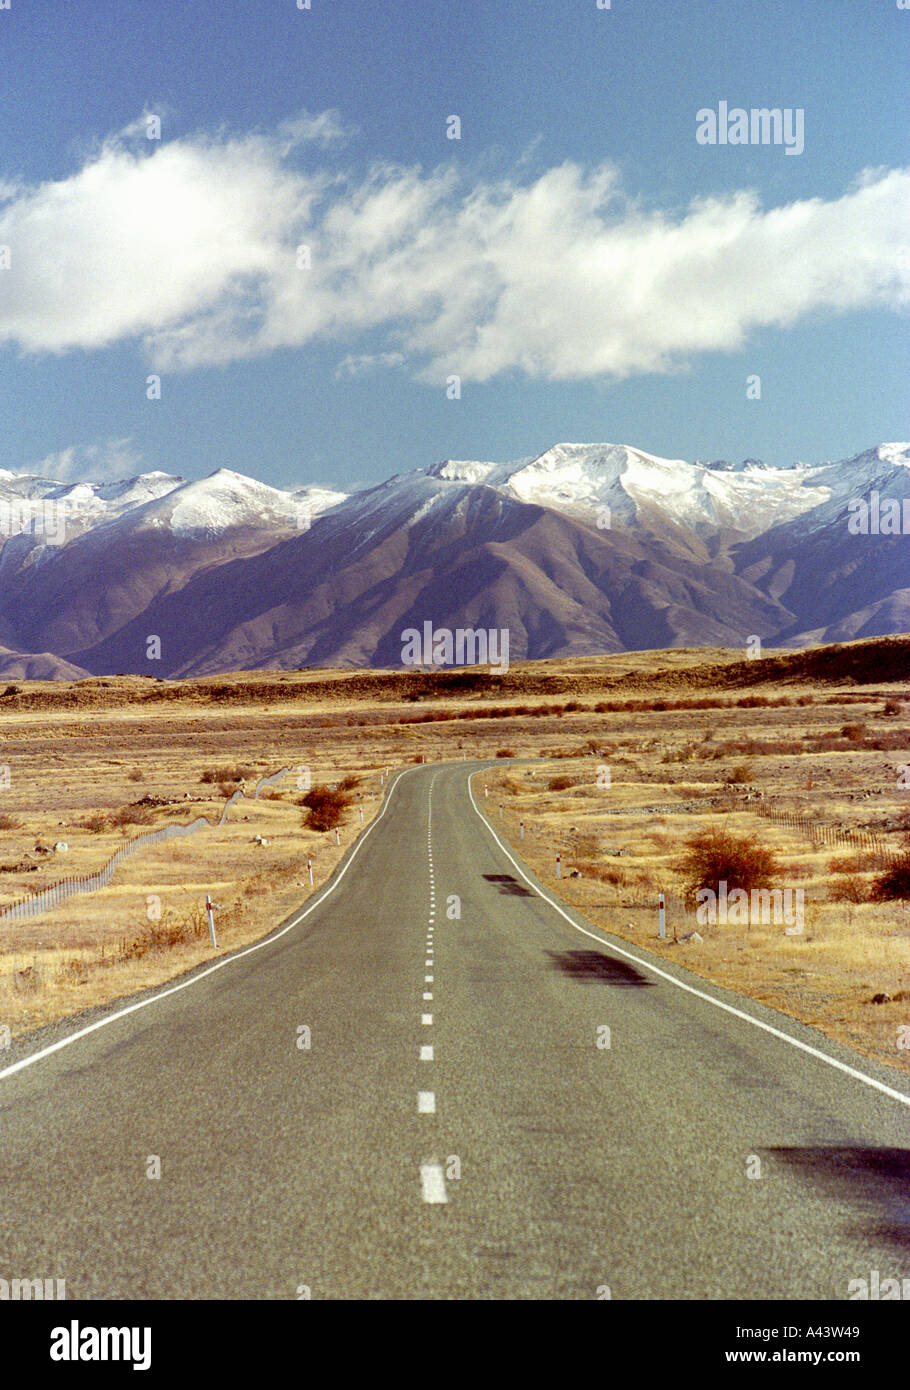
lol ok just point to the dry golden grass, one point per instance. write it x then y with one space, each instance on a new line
78 755
621 835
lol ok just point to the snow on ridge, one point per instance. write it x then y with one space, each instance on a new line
748 497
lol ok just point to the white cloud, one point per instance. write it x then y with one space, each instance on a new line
113 459
357 363
325 128
192 247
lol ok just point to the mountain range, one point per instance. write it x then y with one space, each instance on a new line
584 548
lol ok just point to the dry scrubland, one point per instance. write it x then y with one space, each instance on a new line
674 728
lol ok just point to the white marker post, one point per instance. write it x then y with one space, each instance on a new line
522 824
500 810
337 836
559 866
486 791
360 809
662 914
211 916
309 869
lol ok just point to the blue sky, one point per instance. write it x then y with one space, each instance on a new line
585 267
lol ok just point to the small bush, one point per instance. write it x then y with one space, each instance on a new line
129 815
238 772
743 772
349 782
854 732
324 808
8 822
29 980
601 872
891 707
849 889
712 856
894 883
505 752
73 972
560 784
96 823
850 864
137 775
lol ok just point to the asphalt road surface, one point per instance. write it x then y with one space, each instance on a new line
451 1125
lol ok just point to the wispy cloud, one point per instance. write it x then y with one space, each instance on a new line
192 246
357 364
110 460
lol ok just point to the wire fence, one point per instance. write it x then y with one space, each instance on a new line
830 835
65 888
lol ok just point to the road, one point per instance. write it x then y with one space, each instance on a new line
453 1130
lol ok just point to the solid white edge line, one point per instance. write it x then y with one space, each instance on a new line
322 894
433 1183
690 989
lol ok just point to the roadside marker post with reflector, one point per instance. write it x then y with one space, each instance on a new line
211 916
662 914
559 866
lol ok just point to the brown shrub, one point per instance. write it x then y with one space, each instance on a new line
129 815
8 822
715 855
848 889
324 808
560 783
894 883
239 772
505 752
73 972
600 872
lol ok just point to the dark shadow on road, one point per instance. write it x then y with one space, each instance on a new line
867 1182
593 965
507 884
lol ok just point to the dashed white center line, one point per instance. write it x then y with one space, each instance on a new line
432 1177
433 1182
